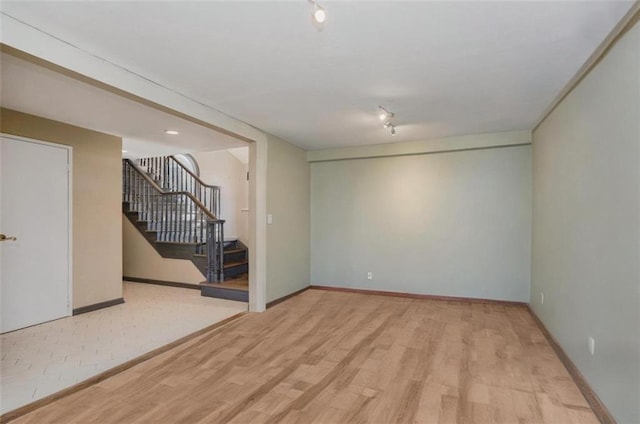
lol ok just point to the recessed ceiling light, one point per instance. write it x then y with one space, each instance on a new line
124 151
172 132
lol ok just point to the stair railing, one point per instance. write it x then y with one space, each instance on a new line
215 251
172 175
175 216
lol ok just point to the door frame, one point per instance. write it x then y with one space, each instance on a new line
69 150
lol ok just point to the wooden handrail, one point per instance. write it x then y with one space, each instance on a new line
172 175
197 178
162 192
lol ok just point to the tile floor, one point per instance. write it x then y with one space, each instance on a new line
43 359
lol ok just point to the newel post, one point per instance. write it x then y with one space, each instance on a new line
215 250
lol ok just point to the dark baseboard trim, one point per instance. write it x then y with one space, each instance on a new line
96 306
162 283
422 296
592 398
287 297
23 410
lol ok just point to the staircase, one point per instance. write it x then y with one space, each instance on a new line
178 215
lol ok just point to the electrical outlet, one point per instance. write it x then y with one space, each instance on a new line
541 297
592 345
269 219
369 275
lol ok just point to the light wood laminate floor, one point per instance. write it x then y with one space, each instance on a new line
333 357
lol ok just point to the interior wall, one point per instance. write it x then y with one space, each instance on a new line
586 226
453 224
223 169
97 210
288 202
141 260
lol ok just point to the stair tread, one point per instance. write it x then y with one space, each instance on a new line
237 250
232 264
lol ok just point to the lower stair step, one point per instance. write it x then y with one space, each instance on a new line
230 290
235 269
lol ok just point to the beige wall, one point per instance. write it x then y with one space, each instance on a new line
223 169
288 201
141 260
452 224
97 175
586 226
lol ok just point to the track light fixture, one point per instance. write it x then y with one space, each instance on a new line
318 15
385 116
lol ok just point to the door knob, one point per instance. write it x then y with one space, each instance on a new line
5 238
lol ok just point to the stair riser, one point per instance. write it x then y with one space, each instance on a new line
222 293
235 257
235 271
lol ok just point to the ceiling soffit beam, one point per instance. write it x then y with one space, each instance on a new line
32 44
423 147
626 23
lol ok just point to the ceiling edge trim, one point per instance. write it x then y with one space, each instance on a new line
442 145
34 45
114 90
629 20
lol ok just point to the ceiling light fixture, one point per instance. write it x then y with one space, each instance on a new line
171 132
386 116
318 15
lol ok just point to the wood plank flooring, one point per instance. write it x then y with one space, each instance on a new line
330 357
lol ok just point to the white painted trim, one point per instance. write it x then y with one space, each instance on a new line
38 43
70 242
474 141
257 226
625 24
69 150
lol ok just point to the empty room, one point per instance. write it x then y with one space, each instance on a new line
320 211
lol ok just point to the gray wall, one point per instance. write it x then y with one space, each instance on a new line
288 202
454 224
586 226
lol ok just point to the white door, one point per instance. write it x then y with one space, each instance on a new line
35 276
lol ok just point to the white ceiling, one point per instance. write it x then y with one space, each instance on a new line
33 89
445 68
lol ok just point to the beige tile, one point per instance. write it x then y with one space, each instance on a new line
44 359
